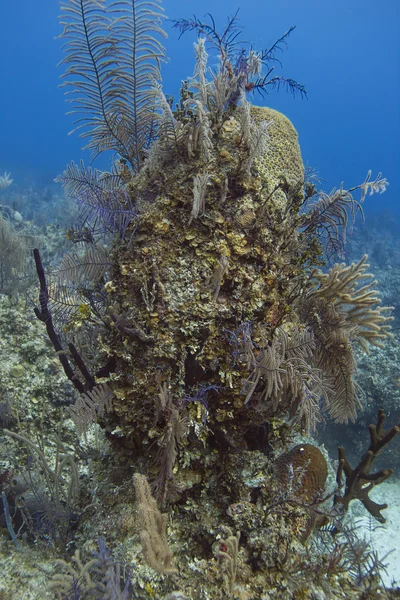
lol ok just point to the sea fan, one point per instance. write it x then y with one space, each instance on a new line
105 205
89 267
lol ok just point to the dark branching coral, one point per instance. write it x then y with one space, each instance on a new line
73 357
359 482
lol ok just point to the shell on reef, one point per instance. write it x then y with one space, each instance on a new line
303 468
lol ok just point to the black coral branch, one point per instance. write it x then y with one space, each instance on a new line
328 218
329 215
239 69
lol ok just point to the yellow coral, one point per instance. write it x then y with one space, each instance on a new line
283 157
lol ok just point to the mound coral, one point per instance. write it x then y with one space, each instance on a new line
304 469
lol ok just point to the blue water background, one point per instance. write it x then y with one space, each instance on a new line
346 53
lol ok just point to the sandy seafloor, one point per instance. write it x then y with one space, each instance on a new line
384 538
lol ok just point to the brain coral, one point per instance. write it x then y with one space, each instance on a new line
283 158
303 468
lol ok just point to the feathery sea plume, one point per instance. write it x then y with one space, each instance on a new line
200 184
284 373
199 130
342 308
170 131
113 54
90 406
328 215
254 135
153 528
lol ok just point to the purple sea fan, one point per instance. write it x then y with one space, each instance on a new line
106 212
105 206
201 396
